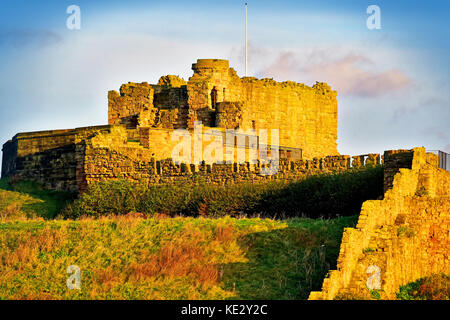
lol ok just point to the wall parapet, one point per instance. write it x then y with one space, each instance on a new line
110 156
69 160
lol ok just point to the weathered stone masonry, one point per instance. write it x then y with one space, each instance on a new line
71 159
406 235
137 142
306 117
109 156
51 158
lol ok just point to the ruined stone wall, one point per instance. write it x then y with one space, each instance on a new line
405 235
395 160
110 156
306 116
46 157
125 107
106 164
172 107
161 143
60 159
71 159
140 104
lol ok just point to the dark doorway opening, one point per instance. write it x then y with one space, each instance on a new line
214 97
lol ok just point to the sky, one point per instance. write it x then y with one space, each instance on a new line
392 83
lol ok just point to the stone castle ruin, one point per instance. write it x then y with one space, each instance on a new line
306 117
402 237
137 143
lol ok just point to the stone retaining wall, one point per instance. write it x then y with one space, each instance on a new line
399 239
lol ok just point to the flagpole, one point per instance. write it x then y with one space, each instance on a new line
246 42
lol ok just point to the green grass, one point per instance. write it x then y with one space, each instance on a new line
33 200
288 263
208 256
170 258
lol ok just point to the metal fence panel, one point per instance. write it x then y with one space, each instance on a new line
444 159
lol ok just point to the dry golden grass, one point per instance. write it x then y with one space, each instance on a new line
130 257
225 233
11 206
29 246
12 211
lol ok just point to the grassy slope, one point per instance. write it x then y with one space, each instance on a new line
175 258
178 258
27 199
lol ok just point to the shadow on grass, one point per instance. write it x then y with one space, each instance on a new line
47 204
289 263
315 196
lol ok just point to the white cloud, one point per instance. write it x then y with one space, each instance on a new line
351 74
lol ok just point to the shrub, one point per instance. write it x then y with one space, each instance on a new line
375 294
434 287
314 196
326 195
369 250
405 231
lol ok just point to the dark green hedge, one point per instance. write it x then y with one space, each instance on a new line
315 196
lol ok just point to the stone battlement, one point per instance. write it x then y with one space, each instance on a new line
72 159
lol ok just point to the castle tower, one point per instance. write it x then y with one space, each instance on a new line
206 88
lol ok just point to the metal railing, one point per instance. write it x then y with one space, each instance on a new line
444 159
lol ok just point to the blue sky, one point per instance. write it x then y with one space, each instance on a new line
393 84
